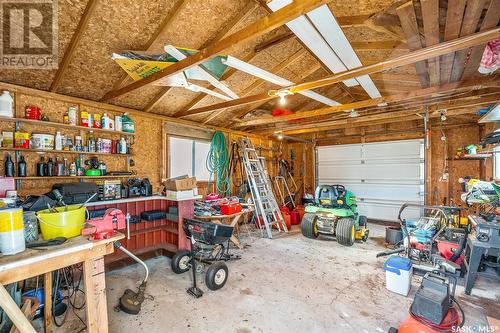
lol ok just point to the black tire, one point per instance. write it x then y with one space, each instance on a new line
363 221
216 275
308 226
181 262
392 330
345 231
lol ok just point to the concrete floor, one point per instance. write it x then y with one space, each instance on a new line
290 284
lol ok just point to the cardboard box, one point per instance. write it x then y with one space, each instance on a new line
176 195
180 184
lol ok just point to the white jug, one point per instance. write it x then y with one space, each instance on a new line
6 105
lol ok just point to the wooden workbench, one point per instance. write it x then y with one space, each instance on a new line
33 262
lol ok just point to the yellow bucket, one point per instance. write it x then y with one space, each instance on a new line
65 223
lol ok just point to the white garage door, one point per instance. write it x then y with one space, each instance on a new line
382 175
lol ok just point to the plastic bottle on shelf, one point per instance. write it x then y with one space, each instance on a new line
91 142
123 146
127 124
9 166
59 144
72 169
105 121
118 123
41 167
21 167
6 105
73 115
50 168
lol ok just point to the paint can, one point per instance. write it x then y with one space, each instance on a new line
11 231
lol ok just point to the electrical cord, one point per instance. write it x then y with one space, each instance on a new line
218 163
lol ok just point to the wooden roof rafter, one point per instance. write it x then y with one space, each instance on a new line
407 59
471 84
73 44
237 19
256 29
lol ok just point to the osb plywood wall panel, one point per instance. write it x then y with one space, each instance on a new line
442 191
69 13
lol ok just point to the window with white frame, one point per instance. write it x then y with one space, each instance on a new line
188 157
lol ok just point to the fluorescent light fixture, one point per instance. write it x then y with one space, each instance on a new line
275 79
323 19
174 52
306 32
354 114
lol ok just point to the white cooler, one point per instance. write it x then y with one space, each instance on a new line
398 273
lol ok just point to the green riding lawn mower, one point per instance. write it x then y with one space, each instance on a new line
334 213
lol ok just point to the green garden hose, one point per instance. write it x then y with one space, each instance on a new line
218 163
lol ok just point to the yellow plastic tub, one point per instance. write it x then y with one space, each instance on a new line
65 223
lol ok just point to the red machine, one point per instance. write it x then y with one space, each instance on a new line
103 227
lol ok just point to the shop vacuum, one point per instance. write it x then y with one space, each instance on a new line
434 308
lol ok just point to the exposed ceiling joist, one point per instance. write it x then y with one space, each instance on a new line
73 44
410 58
383 118
259 82
409 24
407 59
256 29
469 24
430 16
303 75
472 84
454 17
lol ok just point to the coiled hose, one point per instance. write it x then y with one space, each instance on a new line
218 163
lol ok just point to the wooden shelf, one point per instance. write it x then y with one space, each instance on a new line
29 150
472 157
66 126
72 177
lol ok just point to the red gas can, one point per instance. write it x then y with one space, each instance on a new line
295 217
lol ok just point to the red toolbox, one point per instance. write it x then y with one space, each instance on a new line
230 208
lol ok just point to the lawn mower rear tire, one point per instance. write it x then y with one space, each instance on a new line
308 226
216 275
345 231
181 261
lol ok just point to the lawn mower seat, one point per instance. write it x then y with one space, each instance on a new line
326 195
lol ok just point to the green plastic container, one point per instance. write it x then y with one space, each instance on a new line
127 124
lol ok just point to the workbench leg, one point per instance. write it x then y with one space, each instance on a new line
95 295
47 310
475 256
15 314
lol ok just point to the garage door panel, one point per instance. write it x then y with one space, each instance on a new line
392 150
385 211
371 191
382 175
389 172
340 153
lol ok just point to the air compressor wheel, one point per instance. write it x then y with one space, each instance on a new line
345 231
308 226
